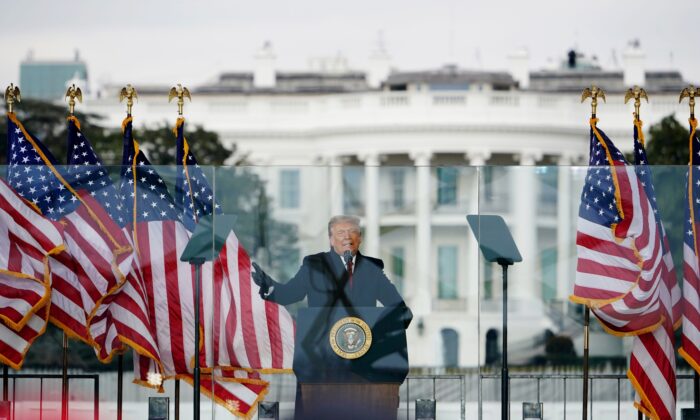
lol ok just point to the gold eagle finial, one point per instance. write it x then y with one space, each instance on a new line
637 94
72 94
128 92
181 93
593 92
12 95
690 92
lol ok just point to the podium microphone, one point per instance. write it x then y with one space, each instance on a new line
347 256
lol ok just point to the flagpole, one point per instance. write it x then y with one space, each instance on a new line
177 399
586 322
72 93
180 92
594 93
696 391
64 379
5 382
691 92
12 94
120 375
197 282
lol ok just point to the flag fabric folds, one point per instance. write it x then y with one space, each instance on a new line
121 316
652 368
159 237
27 239
237 307
690 339
102 262
96 252
620 256
30 175
98 258
625 271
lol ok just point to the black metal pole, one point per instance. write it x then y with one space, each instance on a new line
505 398
197 283
120 375
64 380
177 399
586 321
5 383
696 391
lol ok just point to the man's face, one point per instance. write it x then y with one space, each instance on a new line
345 237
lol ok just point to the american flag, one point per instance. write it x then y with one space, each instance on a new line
620 256
237 307
26 241
652 368
34 174
159 237
690 339
119 315
151 218
192 189
29 173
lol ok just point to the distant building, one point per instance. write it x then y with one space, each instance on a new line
48 79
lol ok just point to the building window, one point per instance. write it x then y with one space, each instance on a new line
352 190
450 347
548 179
397 188
447 186
548 260
397 266
492 352
487 186
447 272
289 188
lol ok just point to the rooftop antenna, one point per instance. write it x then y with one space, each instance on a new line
380 45
451 34
613 59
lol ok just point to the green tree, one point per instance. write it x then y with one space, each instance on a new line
668 142
238 189
47 121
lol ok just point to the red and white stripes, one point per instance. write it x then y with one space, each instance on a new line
619 269
27 240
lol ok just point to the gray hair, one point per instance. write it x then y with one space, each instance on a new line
343 219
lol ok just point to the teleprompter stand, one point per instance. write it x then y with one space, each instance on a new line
497 245
205 244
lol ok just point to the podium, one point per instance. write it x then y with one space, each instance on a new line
350 362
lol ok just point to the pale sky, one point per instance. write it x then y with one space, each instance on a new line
188 42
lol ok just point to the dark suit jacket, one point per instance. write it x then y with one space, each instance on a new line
324 280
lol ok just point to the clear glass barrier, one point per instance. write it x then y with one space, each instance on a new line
411 217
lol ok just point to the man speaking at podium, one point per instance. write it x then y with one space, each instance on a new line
341 277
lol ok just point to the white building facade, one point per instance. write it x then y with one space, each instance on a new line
415 155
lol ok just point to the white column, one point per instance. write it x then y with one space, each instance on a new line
565 228
526 285
371 235
335 182
475 158
422 296
478 157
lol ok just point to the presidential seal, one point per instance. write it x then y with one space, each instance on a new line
350 338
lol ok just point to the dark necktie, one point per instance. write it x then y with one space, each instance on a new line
349 267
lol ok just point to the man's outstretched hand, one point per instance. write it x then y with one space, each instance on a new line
262 280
